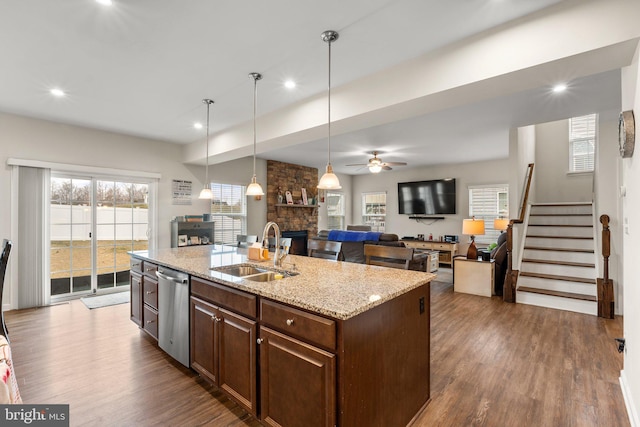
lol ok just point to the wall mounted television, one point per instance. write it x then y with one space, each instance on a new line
435 197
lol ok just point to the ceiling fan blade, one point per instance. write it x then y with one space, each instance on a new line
358 164
386 167
395 163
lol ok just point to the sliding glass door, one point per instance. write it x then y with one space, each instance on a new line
93 224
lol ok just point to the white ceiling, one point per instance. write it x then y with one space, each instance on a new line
142 68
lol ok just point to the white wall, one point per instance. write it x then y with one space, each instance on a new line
466 174
553 183
630 376
27 138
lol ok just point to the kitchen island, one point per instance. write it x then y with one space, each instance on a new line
330 343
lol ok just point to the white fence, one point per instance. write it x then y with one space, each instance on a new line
112 223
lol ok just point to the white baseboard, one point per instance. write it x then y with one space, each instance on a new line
628 401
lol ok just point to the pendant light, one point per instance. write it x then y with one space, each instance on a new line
206 192
329 180
254 189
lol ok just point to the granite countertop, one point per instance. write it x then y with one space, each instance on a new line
332 288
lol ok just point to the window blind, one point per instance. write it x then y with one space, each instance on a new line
489 203
335 211
229 211
582 141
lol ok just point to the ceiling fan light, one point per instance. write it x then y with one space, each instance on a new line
375 168
254 189
329 180
206 193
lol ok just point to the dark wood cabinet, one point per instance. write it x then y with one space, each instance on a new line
135 286
297 382
223 342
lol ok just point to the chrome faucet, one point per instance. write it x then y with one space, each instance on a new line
277 257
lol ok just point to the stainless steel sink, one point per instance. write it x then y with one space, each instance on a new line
240 270
255 274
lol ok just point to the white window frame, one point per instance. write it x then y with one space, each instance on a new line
583 134
487 209
339 215
226 225
377 220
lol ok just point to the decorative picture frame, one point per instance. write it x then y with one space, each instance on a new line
305 201
182 240
289 197
194 240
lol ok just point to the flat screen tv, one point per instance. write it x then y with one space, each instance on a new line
436 197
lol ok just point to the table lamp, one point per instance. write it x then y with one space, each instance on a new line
472 227
500 224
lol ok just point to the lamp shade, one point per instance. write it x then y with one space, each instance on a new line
206 193
254 189
329 181
500 224
473 227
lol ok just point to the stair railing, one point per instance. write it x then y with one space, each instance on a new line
605 285
511 279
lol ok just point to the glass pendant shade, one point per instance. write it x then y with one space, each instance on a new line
254 189
375 168
206 193
329 180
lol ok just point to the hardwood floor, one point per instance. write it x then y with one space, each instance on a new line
493 364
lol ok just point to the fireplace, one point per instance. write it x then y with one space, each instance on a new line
298 241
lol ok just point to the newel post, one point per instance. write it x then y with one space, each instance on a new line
509 289
605 285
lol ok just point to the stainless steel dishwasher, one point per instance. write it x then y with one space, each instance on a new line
173 313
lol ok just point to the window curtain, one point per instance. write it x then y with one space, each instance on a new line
33 196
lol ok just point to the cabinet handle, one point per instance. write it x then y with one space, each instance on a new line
259 340
150 292
216 318
289 322
150 321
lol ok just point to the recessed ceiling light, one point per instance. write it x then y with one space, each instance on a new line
290 84
197 125
559 88
105 2
57 92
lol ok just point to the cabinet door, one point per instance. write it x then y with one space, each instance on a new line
204 339
297 382
237 359
135 282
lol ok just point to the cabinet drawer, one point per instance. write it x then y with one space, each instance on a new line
149 269
150 321
136 265
150 292
314 329
238 301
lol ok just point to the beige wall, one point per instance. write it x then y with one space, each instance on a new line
553 183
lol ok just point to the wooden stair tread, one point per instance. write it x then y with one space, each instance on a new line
557 293
540 248
561 225
560 237
567 263
556 277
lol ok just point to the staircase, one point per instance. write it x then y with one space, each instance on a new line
558 262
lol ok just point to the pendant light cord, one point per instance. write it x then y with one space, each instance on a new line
255 97
206 170
329 109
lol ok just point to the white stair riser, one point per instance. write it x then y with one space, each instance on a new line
559 303
561 220
558 285
559 243
558 270
561 231
568 209
560 256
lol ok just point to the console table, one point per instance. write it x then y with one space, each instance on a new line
446 250
472 276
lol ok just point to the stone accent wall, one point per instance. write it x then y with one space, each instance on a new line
287 176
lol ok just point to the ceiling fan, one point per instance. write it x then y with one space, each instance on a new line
376 164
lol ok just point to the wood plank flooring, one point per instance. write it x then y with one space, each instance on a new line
493 364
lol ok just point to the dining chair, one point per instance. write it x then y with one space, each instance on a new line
244 241
388 256
4 260
325 249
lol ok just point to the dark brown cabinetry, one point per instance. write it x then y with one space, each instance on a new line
223 342
144 295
